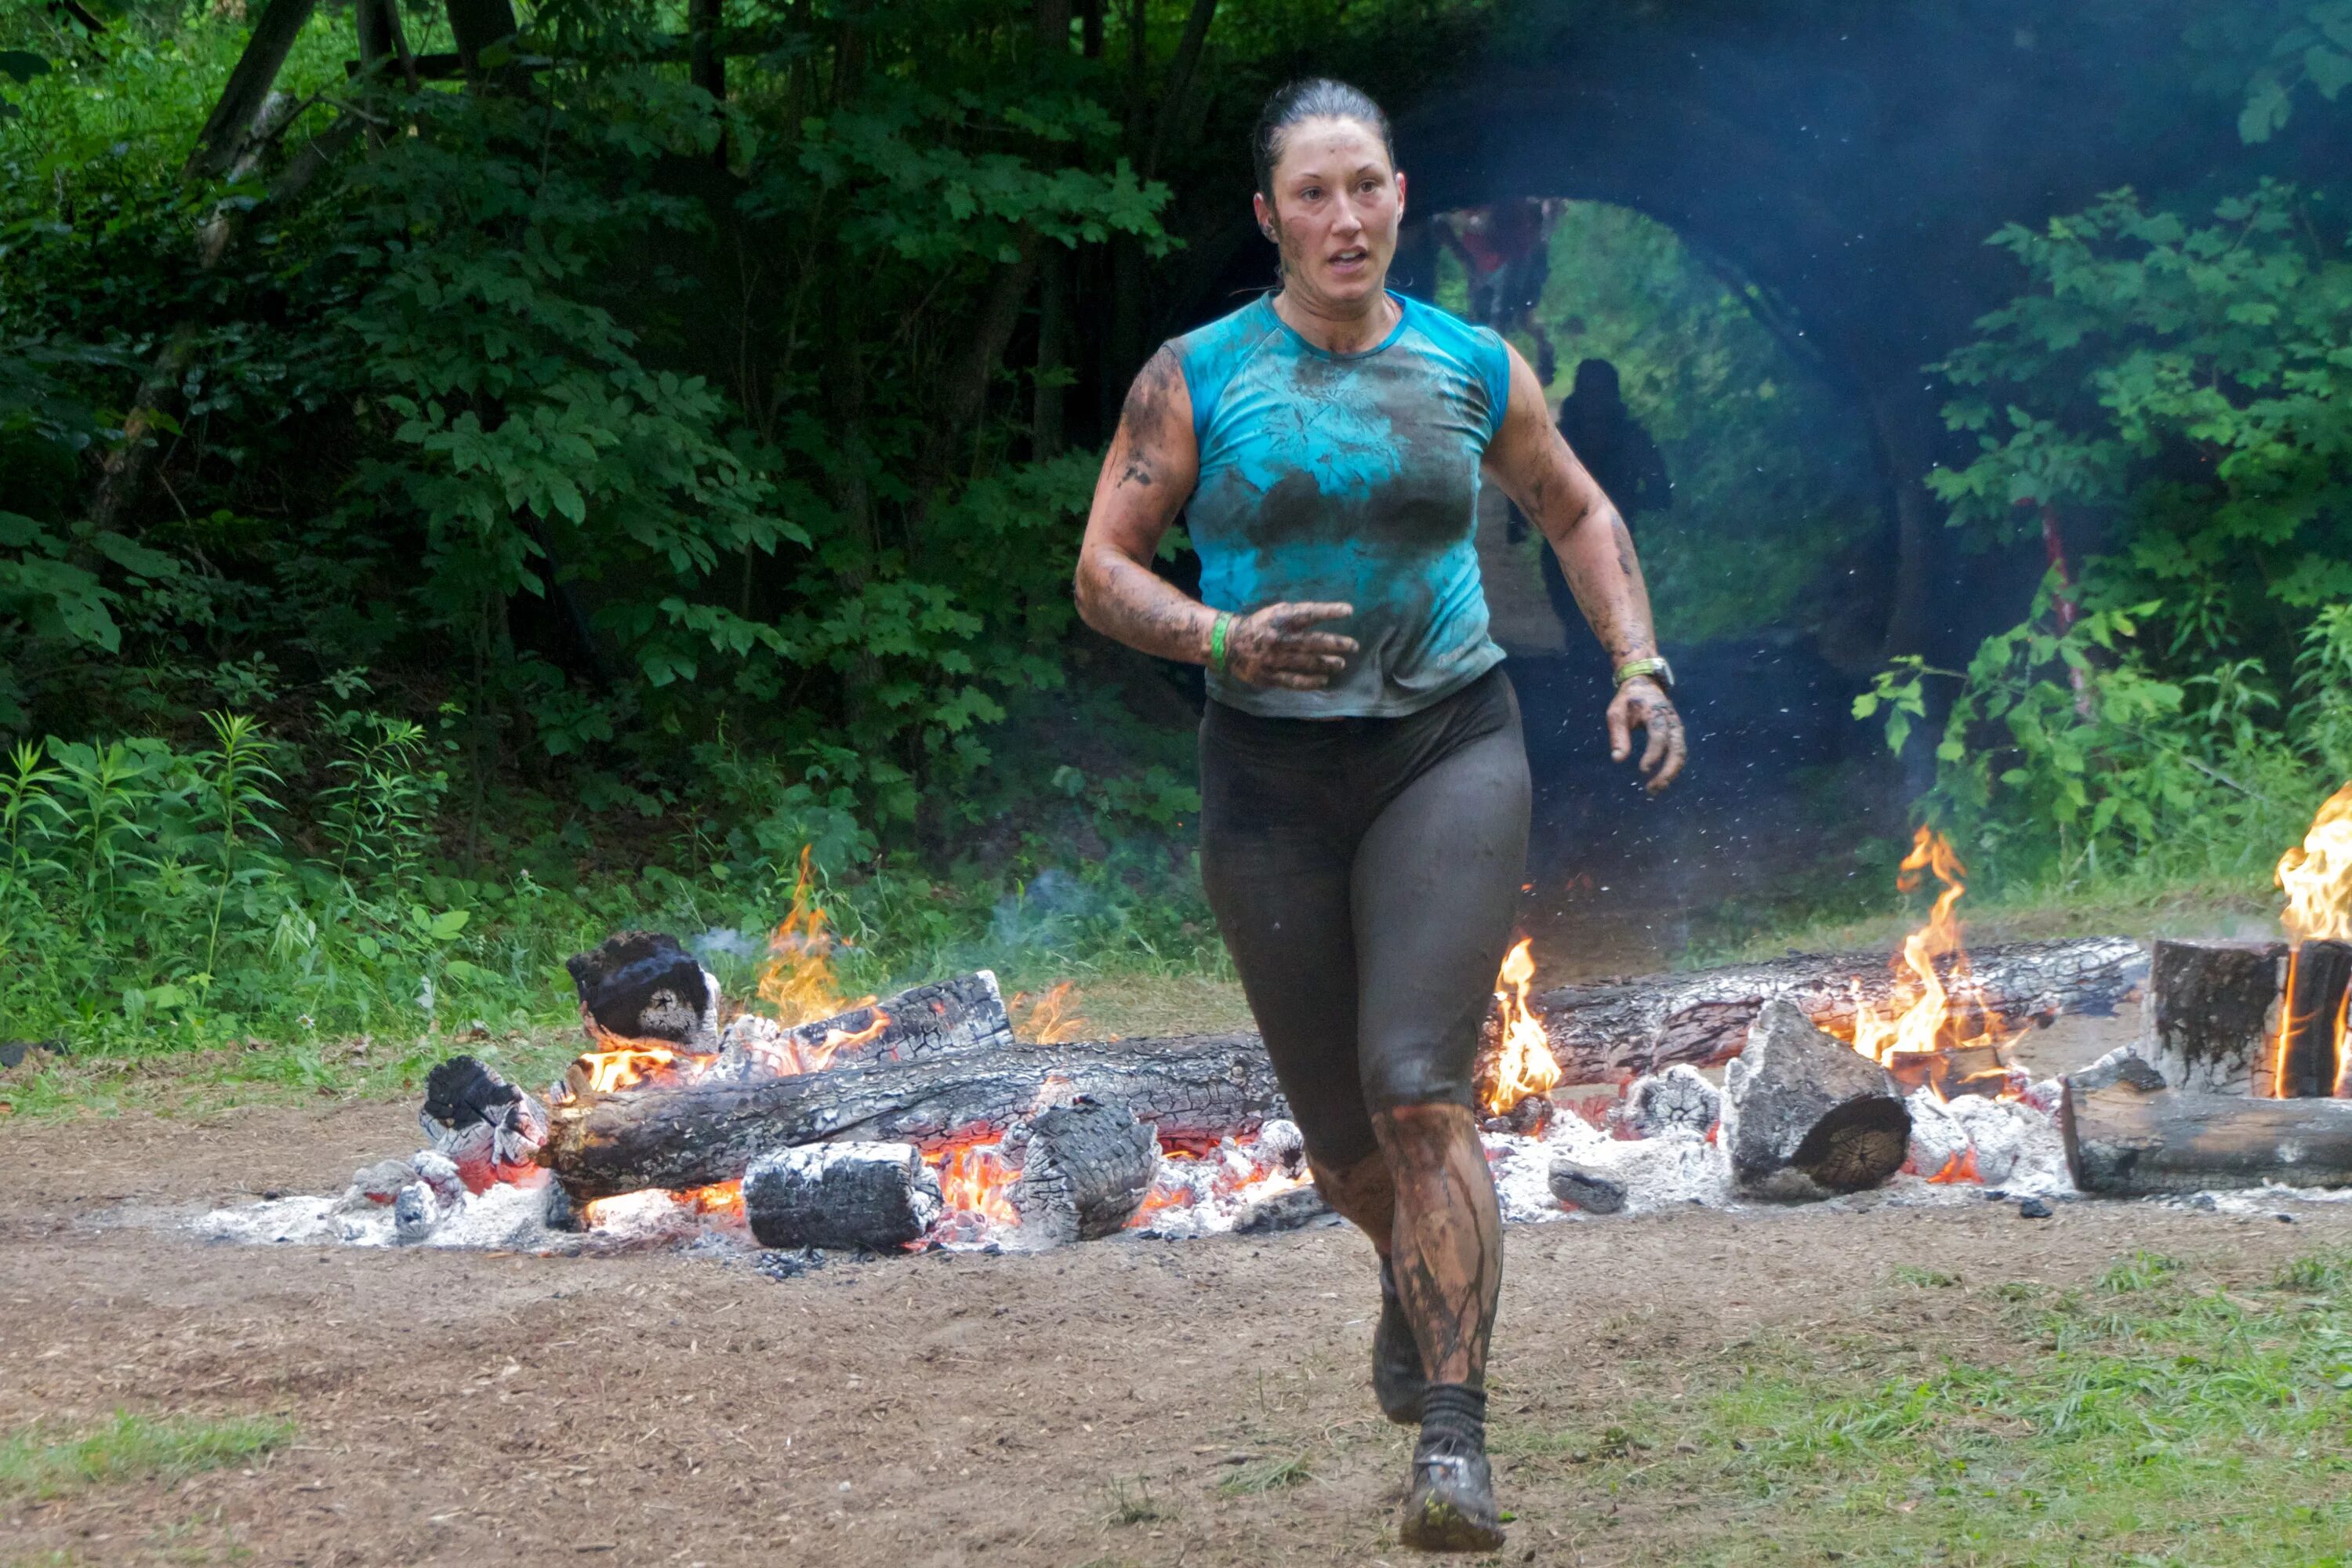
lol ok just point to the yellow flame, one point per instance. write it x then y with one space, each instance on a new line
2317 874
797 980
1054 1018
1524 1064
1920 1018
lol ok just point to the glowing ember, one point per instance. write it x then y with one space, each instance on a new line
1054 1018
797 980
2317 876
1523 1063
626 1065
1961 1167
972 1181
1920 1018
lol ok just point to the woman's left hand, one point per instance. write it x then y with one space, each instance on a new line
1641 704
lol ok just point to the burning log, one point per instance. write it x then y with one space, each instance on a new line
2125 1141
642 985
2311 1021
1084 1167
876 1195
2212 1012
486 1126
930 1021
1616 1032
1197 1088
1805 1115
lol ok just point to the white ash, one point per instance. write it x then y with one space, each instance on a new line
503 1217
1678 1100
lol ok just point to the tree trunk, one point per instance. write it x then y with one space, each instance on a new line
477 25
2212 1010
240 106
382 40
1615 1032
1047 410
1195 1089
967 379
2123 1142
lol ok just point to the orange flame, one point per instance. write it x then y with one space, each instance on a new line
1053 1019
2317 874
797 980
972 1180
626 1065
1920 1017
1524 1064
1961 1167
2316 877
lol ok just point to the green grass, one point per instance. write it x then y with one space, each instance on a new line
2139 907
1267 1476
2157 1419
38 1462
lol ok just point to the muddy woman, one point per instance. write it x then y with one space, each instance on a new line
1363 783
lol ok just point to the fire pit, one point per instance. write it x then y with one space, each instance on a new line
920 1122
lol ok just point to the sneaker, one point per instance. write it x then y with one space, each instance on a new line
1398 1381
1450 1507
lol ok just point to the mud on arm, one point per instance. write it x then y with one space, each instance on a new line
1147 475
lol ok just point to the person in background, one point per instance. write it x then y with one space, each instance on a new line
1618 454
1507 248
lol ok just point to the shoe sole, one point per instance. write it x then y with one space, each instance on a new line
1440 1526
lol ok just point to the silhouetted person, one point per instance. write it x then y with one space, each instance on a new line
1618 454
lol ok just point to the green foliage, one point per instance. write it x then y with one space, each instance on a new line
2177 393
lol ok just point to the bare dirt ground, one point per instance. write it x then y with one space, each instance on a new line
475 1408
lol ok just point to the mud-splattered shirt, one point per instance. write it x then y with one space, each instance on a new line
1350 478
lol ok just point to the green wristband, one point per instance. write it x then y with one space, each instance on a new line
1217 641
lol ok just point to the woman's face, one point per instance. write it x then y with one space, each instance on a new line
1334 210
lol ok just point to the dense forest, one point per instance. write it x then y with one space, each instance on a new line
474 473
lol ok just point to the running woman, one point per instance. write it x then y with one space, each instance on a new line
1364 786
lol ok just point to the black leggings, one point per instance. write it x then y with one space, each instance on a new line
1364 874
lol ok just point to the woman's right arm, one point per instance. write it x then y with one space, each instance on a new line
1145 479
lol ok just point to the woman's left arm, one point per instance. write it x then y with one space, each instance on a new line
1532 461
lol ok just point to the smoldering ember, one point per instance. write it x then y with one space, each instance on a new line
918 1122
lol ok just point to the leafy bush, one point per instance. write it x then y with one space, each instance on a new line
2181 395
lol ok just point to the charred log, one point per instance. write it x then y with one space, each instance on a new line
1084 1167
922 1024
1675 1100
875 1195
1617 1032
1199 1088
1806 1115
2310 1020
489 1129
642 985
2128 1143
2212 1012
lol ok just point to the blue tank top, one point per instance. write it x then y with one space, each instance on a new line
1352 478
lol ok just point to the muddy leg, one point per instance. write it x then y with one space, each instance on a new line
1448 1244
1362 1194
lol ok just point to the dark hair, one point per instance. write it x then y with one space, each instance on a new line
1315 98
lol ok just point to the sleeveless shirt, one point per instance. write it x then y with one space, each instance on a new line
1350 477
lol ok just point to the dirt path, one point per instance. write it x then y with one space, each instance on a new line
472 1408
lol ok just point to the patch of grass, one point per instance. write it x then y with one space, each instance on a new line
37 1462
1267 1476
2171 1423
2317 1271
1925 1278
2140 1271
1131 1503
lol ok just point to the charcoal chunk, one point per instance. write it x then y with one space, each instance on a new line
1291 1210
1581 1186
